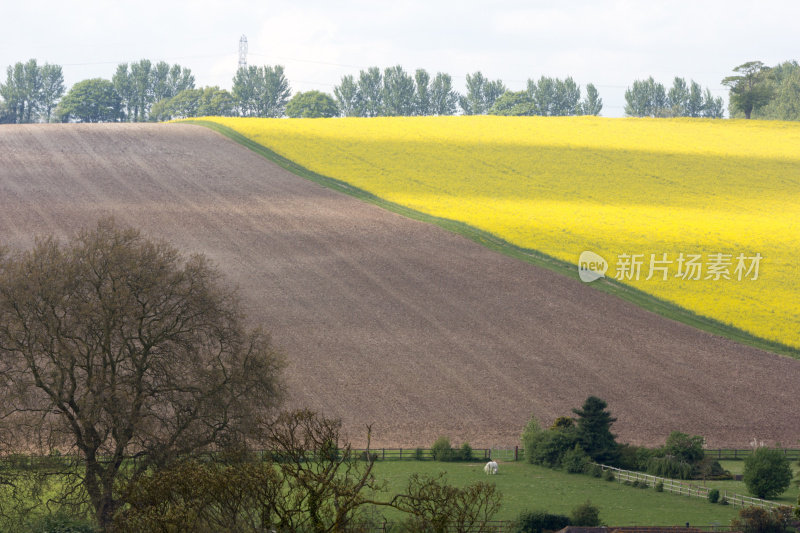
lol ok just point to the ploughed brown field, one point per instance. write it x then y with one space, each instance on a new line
390 321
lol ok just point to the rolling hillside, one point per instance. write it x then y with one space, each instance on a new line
387 320
712 205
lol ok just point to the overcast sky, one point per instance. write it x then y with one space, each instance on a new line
608 43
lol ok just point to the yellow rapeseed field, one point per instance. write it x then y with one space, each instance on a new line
696 201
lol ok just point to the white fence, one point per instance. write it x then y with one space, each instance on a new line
688 489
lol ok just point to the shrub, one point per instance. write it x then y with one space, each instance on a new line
684 447
713 495
62 523
548 447
419 454
538 521
595 471
723 501
442 450
465 452
529 437
758 520
709 468
660 486
609 475
575 461
767 472
432 504
371 457
585 515
633 457
669 467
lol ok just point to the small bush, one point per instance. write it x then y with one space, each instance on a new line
442 450
609 475
669 467
62 523
372 457
685 448
633 457
465 452
723 501
546 448
709 468
713 495
419 454
575 461
530 437
634 484
757 520
585 515
660 486
538 521
595 471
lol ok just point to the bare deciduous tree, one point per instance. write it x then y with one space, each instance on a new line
311 481
118 349
435 506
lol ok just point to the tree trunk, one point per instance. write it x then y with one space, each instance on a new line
100 493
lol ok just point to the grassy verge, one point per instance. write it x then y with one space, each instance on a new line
530 487
611 286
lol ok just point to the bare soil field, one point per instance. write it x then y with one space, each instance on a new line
390 321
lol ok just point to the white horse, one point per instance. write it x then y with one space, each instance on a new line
491 467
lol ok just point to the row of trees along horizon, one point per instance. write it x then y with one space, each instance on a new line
147 91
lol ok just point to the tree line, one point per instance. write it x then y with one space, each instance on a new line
755 91
648 98
148 91
396 93
31 92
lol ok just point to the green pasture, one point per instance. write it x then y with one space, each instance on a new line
530 487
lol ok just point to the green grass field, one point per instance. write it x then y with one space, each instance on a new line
529 487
